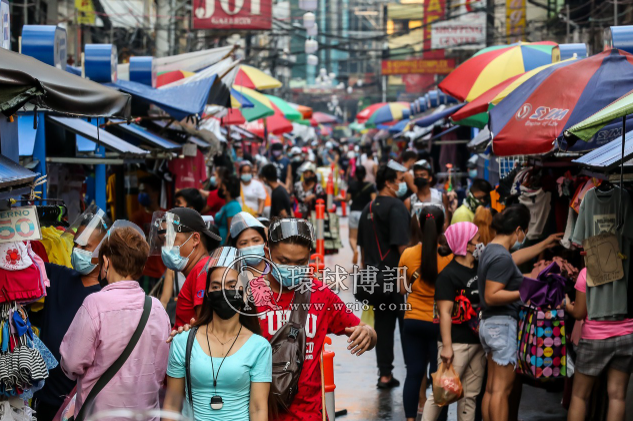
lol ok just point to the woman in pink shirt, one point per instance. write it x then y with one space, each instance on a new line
605 345
105 323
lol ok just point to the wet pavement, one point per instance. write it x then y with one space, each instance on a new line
356 377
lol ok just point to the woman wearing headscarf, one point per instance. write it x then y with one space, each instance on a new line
456 287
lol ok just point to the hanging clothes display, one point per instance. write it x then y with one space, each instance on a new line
599 213
58 248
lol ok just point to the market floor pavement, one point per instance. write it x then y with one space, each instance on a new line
356 377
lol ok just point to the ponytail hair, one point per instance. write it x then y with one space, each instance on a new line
430 224
513 217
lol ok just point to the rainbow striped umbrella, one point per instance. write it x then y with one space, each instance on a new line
475 113
494 65
393 111
287 110
262 106
253 78
364 115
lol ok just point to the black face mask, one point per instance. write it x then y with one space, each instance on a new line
221 193
226 307
103 282
310 180
421 182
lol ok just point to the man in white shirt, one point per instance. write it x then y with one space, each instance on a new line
253 194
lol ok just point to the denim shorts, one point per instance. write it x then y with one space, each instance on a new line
498 334
354 219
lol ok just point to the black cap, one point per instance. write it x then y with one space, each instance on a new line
191 221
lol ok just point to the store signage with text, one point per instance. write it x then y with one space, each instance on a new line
433 10
232 14
19 224
516 22
418 66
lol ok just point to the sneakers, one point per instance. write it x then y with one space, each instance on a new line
393 382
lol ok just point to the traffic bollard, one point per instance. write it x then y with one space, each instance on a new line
327 378
320 233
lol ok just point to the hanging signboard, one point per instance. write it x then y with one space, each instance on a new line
19 224
85 12
235 14
516 21
418 66
466 30
433 10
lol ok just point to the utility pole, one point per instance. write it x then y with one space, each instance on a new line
615 12
568 20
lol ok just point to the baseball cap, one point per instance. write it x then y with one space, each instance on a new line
191 221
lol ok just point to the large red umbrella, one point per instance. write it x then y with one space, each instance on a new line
234 117
277 125
364 115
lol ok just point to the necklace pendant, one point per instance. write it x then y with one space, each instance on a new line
216 402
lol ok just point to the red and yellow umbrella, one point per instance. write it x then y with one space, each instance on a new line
166 78
234 117
253 78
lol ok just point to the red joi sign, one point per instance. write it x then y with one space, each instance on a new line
232 14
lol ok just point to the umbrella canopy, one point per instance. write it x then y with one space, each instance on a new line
494 65
356 126
587 128
437 115
285 108
277 125
475 113
394 111
324 118
262 107
170 77
25 79
396 127
233 117
530 119
239 101
253 78
364 115
306 112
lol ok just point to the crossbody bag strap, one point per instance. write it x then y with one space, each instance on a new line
382 256
299 314
190 339
116 366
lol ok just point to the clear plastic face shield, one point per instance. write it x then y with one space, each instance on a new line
164 231
222 259
88 229
285 228
118 224
243 221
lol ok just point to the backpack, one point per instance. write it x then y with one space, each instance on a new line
288 347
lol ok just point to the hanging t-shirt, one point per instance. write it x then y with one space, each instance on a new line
450 282
598 214
539 203
189 172
328 315
65 295
252 193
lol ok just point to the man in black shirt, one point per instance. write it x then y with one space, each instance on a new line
383 234
280 205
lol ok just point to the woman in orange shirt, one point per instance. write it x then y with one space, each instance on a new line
420 333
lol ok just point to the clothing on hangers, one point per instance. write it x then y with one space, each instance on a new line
539 203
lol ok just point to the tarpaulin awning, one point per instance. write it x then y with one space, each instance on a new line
608 156
480 142
145 136
180 101
99 136
435 117
13 174
25 79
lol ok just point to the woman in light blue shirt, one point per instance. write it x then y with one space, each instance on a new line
230 192
231 364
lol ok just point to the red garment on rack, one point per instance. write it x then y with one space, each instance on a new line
20 285
39 249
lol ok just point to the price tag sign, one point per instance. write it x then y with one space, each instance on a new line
19 224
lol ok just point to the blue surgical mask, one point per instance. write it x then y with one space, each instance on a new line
472 174
246 177
517 245
212 180
82 261
173 259
291 275
402 189
144 199
253 255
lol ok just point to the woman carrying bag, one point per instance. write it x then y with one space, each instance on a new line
116 345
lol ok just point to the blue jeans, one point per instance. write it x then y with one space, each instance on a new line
420 350
498 334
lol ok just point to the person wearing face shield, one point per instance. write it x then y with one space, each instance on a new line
383 234
478 195
184 241
459 342
307 190
222 388
426 195
67 291
111 319
248 235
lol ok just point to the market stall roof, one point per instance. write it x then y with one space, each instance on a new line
144 135
25 79
14 175
609 156
175 126
179 102
436 116
480 142
99 136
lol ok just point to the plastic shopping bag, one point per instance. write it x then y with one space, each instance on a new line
447 388
368 317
